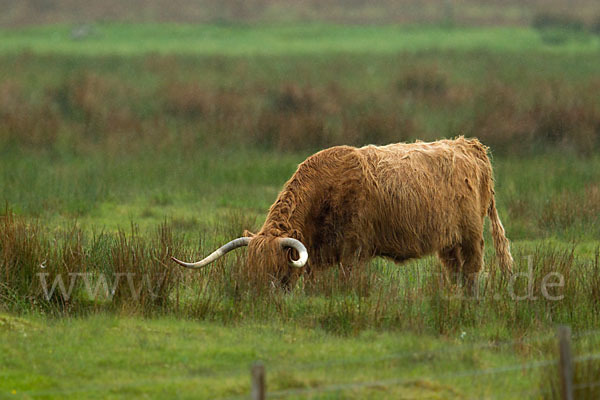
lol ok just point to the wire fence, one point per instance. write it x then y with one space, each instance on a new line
402 381
587 385
446 350
242 373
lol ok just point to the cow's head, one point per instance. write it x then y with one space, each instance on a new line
270 258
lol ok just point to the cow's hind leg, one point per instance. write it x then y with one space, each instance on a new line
452 260
472 252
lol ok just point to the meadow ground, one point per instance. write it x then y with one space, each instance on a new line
145 141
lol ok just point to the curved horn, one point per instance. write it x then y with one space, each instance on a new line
221 251
299 247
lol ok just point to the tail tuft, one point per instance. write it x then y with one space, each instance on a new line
500 241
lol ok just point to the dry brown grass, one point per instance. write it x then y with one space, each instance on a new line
571 209
499 120
85 265
100 110
566 116
306 117
295 117
89 111
555 116
186 100
423 82
26 251
26 121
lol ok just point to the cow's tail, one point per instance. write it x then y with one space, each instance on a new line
500 241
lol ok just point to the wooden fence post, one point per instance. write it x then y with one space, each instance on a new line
259 389
565 365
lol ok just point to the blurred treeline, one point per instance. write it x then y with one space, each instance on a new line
463 12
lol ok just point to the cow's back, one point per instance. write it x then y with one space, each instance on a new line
426 193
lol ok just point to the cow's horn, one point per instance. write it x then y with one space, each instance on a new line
221 251
299 247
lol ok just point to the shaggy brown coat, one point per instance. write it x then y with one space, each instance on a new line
400 201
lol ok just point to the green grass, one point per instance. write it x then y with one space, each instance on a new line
105 191
284 39
121 357
93 140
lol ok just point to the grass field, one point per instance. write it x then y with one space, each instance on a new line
143 141
287 39
121 357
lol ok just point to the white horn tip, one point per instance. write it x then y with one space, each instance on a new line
182 263
301 261
299 247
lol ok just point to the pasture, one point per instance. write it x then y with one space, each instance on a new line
144 141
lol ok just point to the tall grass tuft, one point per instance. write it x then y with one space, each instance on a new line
130 272
66 272
151 277
29 255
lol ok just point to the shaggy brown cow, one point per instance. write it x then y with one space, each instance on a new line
401 201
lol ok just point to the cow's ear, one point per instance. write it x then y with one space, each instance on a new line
247 233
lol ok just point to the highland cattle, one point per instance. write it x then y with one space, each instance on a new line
346 205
